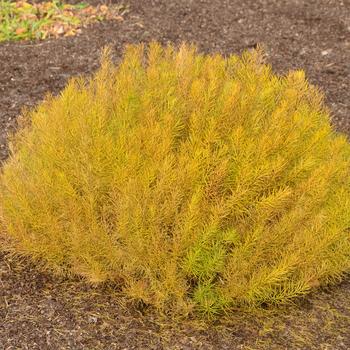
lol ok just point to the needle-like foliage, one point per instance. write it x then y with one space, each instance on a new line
194 182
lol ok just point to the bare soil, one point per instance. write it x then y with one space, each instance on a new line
40 311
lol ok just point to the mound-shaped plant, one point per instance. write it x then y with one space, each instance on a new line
194 182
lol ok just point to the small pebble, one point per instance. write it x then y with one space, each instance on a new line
92 319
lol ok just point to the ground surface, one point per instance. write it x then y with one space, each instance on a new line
38 311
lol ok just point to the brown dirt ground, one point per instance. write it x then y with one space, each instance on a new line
39 311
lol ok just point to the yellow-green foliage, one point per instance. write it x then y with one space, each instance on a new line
195 182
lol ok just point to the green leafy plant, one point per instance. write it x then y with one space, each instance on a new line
21 20
194 182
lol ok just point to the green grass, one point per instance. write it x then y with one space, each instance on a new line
22 20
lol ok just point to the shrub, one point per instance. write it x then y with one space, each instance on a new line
194 182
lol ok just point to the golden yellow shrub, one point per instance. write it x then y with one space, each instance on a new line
195 182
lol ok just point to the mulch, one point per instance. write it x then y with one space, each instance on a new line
40 311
